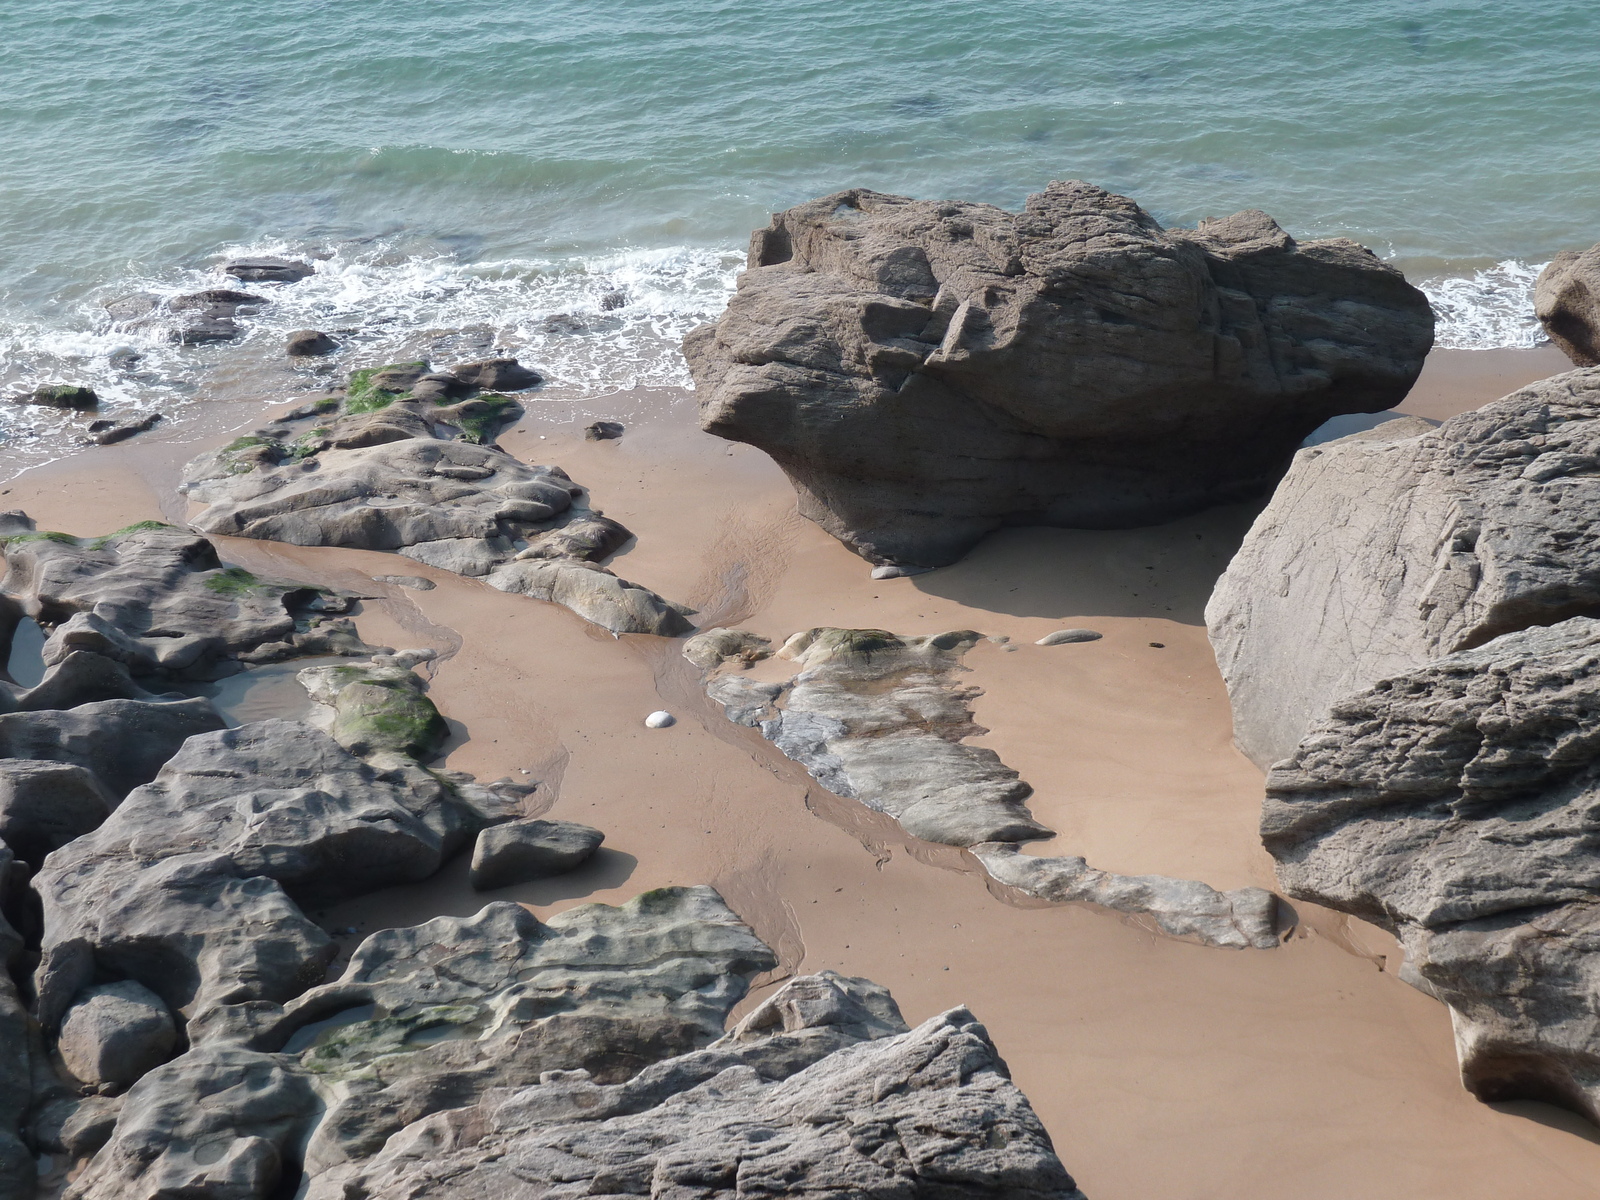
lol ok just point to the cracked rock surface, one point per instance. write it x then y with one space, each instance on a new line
1566 299
926 371
497 1054
1384 550
881 718
1454 804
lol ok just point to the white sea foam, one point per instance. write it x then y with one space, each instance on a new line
591 326
1489 310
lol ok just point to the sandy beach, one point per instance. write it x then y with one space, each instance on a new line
1160 1068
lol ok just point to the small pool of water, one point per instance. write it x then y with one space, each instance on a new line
264 693
26 663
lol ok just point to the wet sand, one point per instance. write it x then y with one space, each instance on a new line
1161 1069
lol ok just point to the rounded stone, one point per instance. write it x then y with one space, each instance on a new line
660 719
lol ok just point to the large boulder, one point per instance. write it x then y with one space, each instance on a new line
114 1033
883 719
1566 299
926 371
1384 550
1453 804
122 743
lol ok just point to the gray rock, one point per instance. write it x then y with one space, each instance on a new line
310 343
122 743
594 593
114 1032
463 555
219 1122
17 1170
497 374
191 887
931 1112
268 270
883 719
1067 637
1387 549
1245 918
522 851
925 371
64 395
1452 805
1566 299
44 805
415 582
158 599
208 316
587 536
378 710
711 648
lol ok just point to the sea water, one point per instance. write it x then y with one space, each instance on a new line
480 175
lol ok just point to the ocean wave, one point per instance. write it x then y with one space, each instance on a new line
1491 309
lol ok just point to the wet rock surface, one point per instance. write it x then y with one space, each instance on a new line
1453 804
926 371
881 718
268 269
1424 541
402 463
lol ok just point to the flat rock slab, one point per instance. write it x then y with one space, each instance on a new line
1068 637
882 718
1387 549
926 371
1453 804
523 851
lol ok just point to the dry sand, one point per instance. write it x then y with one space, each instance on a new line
1162 1069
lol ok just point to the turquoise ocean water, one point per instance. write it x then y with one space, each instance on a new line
501 166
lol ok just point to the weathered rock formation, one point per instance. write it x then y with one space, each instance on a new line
403 463
883 719
1566 299
522 851
158 600
1384 550
583 1056
1454 804
926 371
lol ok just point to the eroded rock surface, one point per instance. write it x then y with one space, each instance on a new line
926 371
193 886
402 462
1384 550
522 851
883 719
1453 804
496 1054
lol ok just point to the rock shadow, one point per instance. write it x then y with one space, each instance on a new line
1165 571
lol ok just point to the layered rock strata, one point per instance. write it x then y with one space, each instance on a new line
883 719
1453 804
402 462
926 371
1384 550
585 1055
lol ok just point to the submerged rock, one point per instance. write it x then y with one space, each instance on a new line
595 594
310 343
1453 804
883 719
109 433
64 395
268 269
1386 549
1566 299
926 371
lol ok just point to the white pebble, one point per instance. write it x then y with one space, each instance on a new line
660 719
